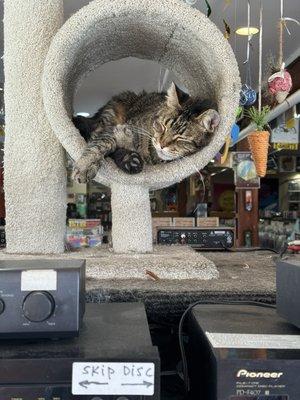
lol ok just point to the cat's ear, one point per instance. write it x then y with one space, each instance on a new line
175 96
210 120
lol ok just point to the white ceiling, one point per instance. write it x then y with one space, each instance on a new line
139 74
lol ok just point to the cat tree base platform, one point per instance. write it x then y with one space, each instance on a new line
185 277
166 263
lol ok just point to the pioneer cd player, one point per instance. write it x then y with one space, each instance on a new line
241 352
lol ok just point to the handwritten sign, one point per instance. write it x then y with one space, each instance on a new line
113 378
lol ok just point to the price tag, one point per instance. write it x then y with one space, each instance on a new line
113 378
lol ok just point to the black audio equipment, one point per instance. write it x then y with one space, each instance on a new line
41 298
239 352
199 238
288 290
112 359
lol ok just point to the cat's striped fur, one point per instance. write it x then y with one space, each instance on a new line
146 128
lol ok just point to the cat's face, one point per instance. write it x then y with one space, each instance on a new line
183 125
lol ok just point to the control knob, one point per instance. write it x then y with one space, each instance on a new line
38 306
183 238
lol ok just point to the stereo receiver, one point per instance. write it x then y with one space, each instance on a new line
199 238
41 298
239 352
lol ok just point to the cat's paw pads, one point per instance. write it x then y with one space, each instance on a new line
132 163
84 175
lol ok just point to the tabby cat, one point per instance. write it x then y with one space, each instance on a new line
146 128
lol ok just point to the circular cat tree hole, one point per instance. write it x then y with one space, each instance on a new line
169 32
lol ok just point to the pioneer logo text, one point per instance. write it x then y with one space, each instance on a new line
243 373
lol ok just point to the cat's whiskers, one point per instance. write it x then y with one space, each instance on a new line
140 131
139 128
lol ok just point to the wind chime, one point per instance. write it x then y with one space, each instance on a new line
280 82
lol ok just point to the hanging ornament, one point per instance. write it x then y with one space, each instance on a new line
280 82
247 94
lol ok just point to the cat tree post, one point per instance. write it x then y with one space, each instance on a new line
131 219
34 169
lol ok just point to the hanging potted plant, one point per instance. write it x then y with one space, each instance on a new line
259 139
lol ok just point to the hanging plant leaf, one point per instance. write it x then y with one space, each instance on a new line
208 12
227 30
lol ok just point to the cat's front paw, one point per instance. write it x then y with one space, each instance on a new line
132 163
84 175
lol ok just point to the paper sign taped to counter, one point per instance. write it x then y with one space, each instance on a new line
113 378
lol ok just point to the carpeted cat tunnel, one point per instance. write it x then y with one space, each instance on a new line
44 63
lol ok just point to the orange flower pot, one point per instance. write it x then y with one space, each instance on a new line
259 145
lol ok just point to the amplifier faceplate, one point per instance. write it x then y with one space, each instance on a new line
41 298
198 238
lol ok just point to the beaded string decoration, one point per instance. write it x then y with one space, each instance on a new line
247 94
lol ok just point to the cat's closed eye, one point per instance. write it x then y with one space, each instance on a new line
183 140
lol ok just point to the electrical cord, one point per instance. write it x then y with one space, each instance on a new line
280 252
248 250
182 320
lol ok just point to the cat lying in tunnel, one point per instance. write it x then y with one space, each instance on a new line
146 128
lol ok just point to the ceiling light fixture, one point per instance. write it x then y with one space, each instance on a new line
83 114
244 31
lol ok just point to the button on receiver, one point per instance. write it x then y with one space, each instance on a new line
38 306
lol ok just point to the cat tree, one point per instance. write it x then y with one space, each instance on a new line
44 64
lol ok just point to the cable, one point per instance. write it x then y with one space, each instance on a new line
280 252
182 319
246 250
